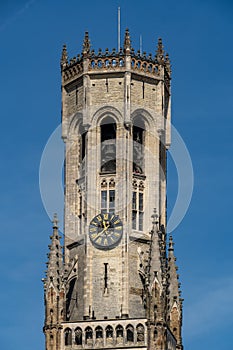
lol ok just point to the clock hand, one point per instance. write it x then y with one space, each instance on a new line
100 233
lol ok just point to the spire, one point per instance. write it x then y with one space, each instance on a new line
168 63
160 52
86 45
175 302
173 276
55 262
155 251
127 42
64 57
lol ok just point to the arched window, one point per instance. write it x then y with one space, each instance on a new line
108 145
82 149
129 333
88 334
119 331
98 332
138 145
68 336
78 336
109 332
140 333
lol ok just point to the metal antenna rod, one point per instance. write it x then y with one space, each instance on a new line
119 28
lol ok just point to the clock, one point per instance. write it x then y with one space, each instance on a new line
105 231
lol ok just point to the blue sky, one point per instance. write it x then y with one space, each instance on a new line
198 36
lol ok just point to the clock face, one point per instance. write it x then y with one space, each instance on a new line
105 231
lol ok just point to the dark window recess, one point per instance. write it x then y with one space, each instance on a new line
119 331
99 332
68 336
105 276
138 150
108 148
130 333
78 336
84 145
111 201
109 332
88 333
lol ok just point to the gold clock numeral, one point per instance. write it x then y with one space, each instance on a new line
105 241
94 235
98 240
99 218
94 223
118 228
93 229
117 234
116 222
105 216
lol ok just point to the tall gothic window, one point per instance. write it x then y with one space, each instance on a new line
138 146
108 146
107 201
82 149
137 211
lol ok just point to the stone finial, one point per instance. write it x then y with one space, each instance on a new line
127 42
168 63
64 57
160 51
86 45
171 244
55 221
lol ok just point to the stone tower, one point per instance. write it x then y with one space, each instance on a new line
115 285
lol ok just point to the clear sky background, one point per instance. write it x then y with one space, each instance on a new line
198 36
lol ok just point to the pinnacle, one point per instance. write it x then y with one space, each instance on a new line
55 221
127 41
86 44
171 244
160 51
64 56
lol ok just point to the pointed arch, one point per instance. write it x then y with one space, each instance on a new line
68 336
109 331
140 117
129 333
78 336
99 332
119 331
75 123
140 330
88 334
106 111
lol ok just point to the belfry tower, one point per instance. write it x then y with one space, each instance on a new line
114 285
